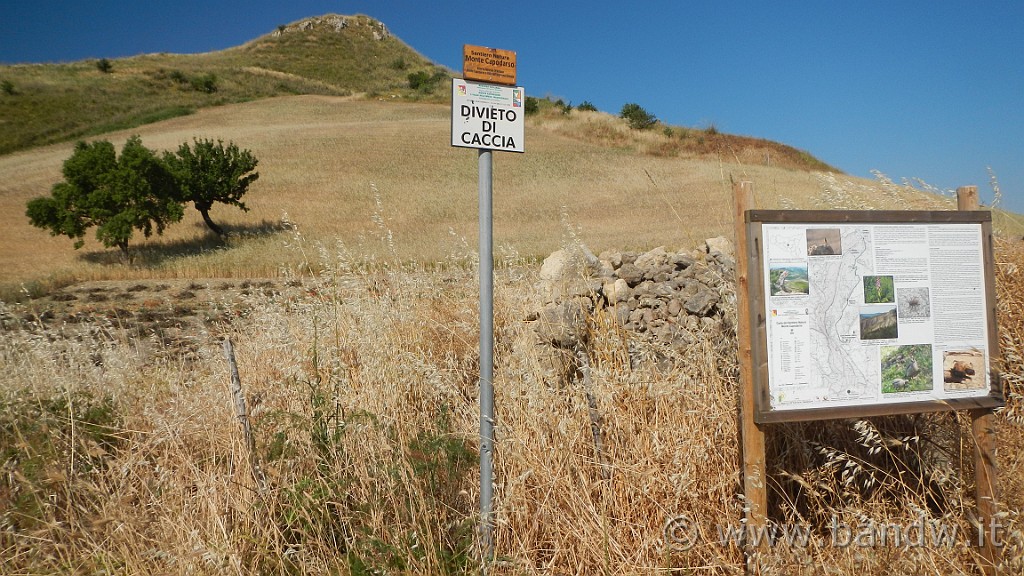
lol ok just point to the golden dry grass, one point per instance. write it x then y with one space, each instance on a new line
364 409
124 456
333 165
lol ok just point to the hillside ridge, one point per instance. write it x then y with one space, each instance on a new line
331 54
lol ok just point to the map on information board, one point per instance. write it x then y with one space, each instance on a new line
868 314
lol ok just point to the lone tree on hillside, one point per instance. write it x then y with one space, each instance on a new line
116 195
210 172
638 118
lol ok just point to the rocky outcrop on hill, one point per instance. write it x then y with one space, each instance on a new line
337 24
668 298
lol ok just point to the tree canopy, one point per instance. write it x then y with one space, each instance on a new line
140 190
117 195
210 172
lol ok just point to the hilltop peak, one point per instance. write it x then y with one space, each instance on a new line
336 23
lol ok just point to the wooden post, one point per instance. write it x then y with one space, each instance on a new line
243 417
752 436
983 431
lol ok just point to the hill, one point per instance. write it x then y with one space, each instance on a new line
328 55
357 171
349 152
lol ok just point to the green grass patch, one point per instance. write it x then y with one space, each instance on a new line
143 117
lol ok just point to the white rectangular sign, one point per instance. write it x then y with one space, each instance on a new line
487 116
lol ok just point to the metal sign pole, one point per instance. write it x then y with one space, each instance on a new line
485 163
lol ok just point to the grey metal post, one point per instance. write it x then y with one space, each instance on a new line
485 163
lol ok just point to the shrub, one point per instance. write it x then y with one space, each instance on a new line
418 80
203 83
206 83
587 106
532 106
439 75
104 65
423 81
638 118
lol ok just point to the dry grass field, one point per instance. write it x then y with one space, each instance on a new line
339 169
349 291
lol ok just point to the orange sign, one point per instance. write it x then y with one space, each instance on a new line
488 65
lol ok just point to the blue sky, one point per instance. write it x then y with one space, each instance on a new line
930 90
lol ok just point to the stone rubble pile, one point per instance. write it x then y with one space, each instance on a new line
663 296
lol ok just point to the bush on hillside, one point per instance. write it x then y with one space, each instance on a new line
638 118
423 81
104 65
204 83
418 79
586 106
532 105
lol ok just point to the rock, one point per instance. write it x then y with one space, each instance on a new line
563 325
622 315
568 273
630 273
681 261
700 303
710 323
612 257
675 307
719 245
653 272
674 335
617 291
653 259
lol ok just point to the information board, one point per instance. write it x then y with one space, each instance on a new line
867 313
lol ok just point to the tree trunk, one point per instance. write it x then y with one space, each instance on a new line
209 222
125 257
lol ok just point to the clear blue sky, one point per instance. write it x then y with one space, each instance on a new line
914 89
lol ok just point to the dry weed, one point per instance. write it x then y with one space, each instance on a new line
363 399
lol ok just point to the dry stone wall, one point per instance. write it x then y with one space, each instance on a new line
664 297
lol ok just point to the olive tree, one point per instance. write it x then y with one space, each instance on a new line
117 195
210 172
